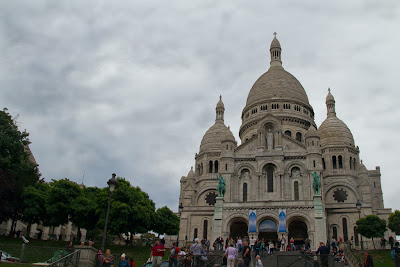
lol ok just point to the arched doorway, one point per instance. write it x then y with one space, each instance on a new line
298 230
268 230
238 228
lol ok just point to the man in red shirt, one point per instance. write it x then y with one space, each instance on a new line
173 254
157 252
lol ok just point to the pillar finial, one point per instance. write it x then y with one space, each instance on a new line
275 34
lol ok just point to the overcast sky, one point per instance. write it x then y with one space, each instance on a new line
131 86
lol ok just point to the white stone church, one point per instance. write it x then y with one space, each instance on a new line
271 169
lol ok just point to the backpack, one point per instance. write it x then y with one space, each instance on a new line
173 251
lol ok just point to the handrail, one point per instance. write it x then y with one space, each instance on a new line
351 259
68 259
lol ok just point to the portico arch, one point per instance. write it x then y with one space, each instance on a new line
298 228
268 228
238 227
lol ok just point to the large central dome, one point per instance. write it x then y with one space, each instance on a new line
277 83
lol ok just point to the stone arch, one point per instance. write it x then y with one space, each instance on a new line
296 163
192 230
344 233
269 118
299 228
241 166
201 233
277 166
299 216
236 218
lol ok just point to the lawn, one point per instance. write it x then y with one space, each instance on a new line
381 257
42 250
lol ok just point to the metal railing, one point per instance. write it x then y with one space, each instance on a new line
69 260
207 260
308 260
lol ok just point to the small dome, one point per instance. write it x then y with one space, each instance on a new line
275 43
334 131
191 173
362 169
312 132
212 139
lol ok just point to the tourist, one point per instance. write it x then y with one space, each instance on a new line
271 247
283 242
278 244
173 255
208 245
123 262
258 261
231 254
69 247
196 248
368 262
324 252
240 264
181 256
246 254
257 245
391 242
131 263
292 240
108 260
262 247
383 242
100 258
333 242
395 253
308 243
157 252
239 244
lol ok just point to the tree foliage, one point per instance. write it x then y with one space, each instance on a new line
166 222
60 201
394 222
371 226
131 209
17 168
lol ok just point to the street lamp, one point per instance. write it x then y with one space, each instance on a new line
180 209
358 205
112 183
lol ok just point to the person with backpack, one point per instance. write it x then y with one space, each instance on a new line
157 253
173 255
368 262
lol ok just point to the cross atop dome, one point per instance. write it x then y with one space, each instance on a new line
330 103
220 110
275 34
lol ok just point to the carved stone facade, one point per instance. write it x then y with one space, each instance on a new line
272 168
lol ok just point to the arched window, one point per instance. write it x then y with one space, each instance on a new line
195 233
345 234
216 166
340 162
210 166
296 190
205 229
288 133
334 232
227 147
201 168
323 163
351 163
314 163
244 192
270 179
334 162
354 163
356 236
298 137
226 167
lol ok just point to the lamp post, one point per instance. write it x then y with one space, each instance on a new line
180 209
112 183
358 205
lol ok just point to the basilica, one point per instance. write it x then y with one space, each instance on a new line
268 174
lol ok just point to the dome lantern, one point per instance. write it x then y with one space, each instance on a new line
275 51
219 110
330 104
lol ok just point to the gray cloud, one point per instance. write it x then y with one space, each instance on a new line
131 87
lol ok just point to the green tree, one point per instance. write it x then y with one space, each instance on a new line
33 203
17 167
166 222
60 201
371 226
83 210
394 222
131 209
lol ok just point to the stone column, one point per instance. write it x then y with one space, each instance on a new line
217 218
320 222
87 256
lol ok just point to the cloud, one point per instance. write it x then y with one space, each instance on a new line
131 87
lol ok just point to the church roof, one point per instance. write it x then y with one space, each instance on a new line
212 139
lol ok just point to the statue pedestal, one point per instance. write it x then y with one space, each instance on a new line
217 219
320 223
